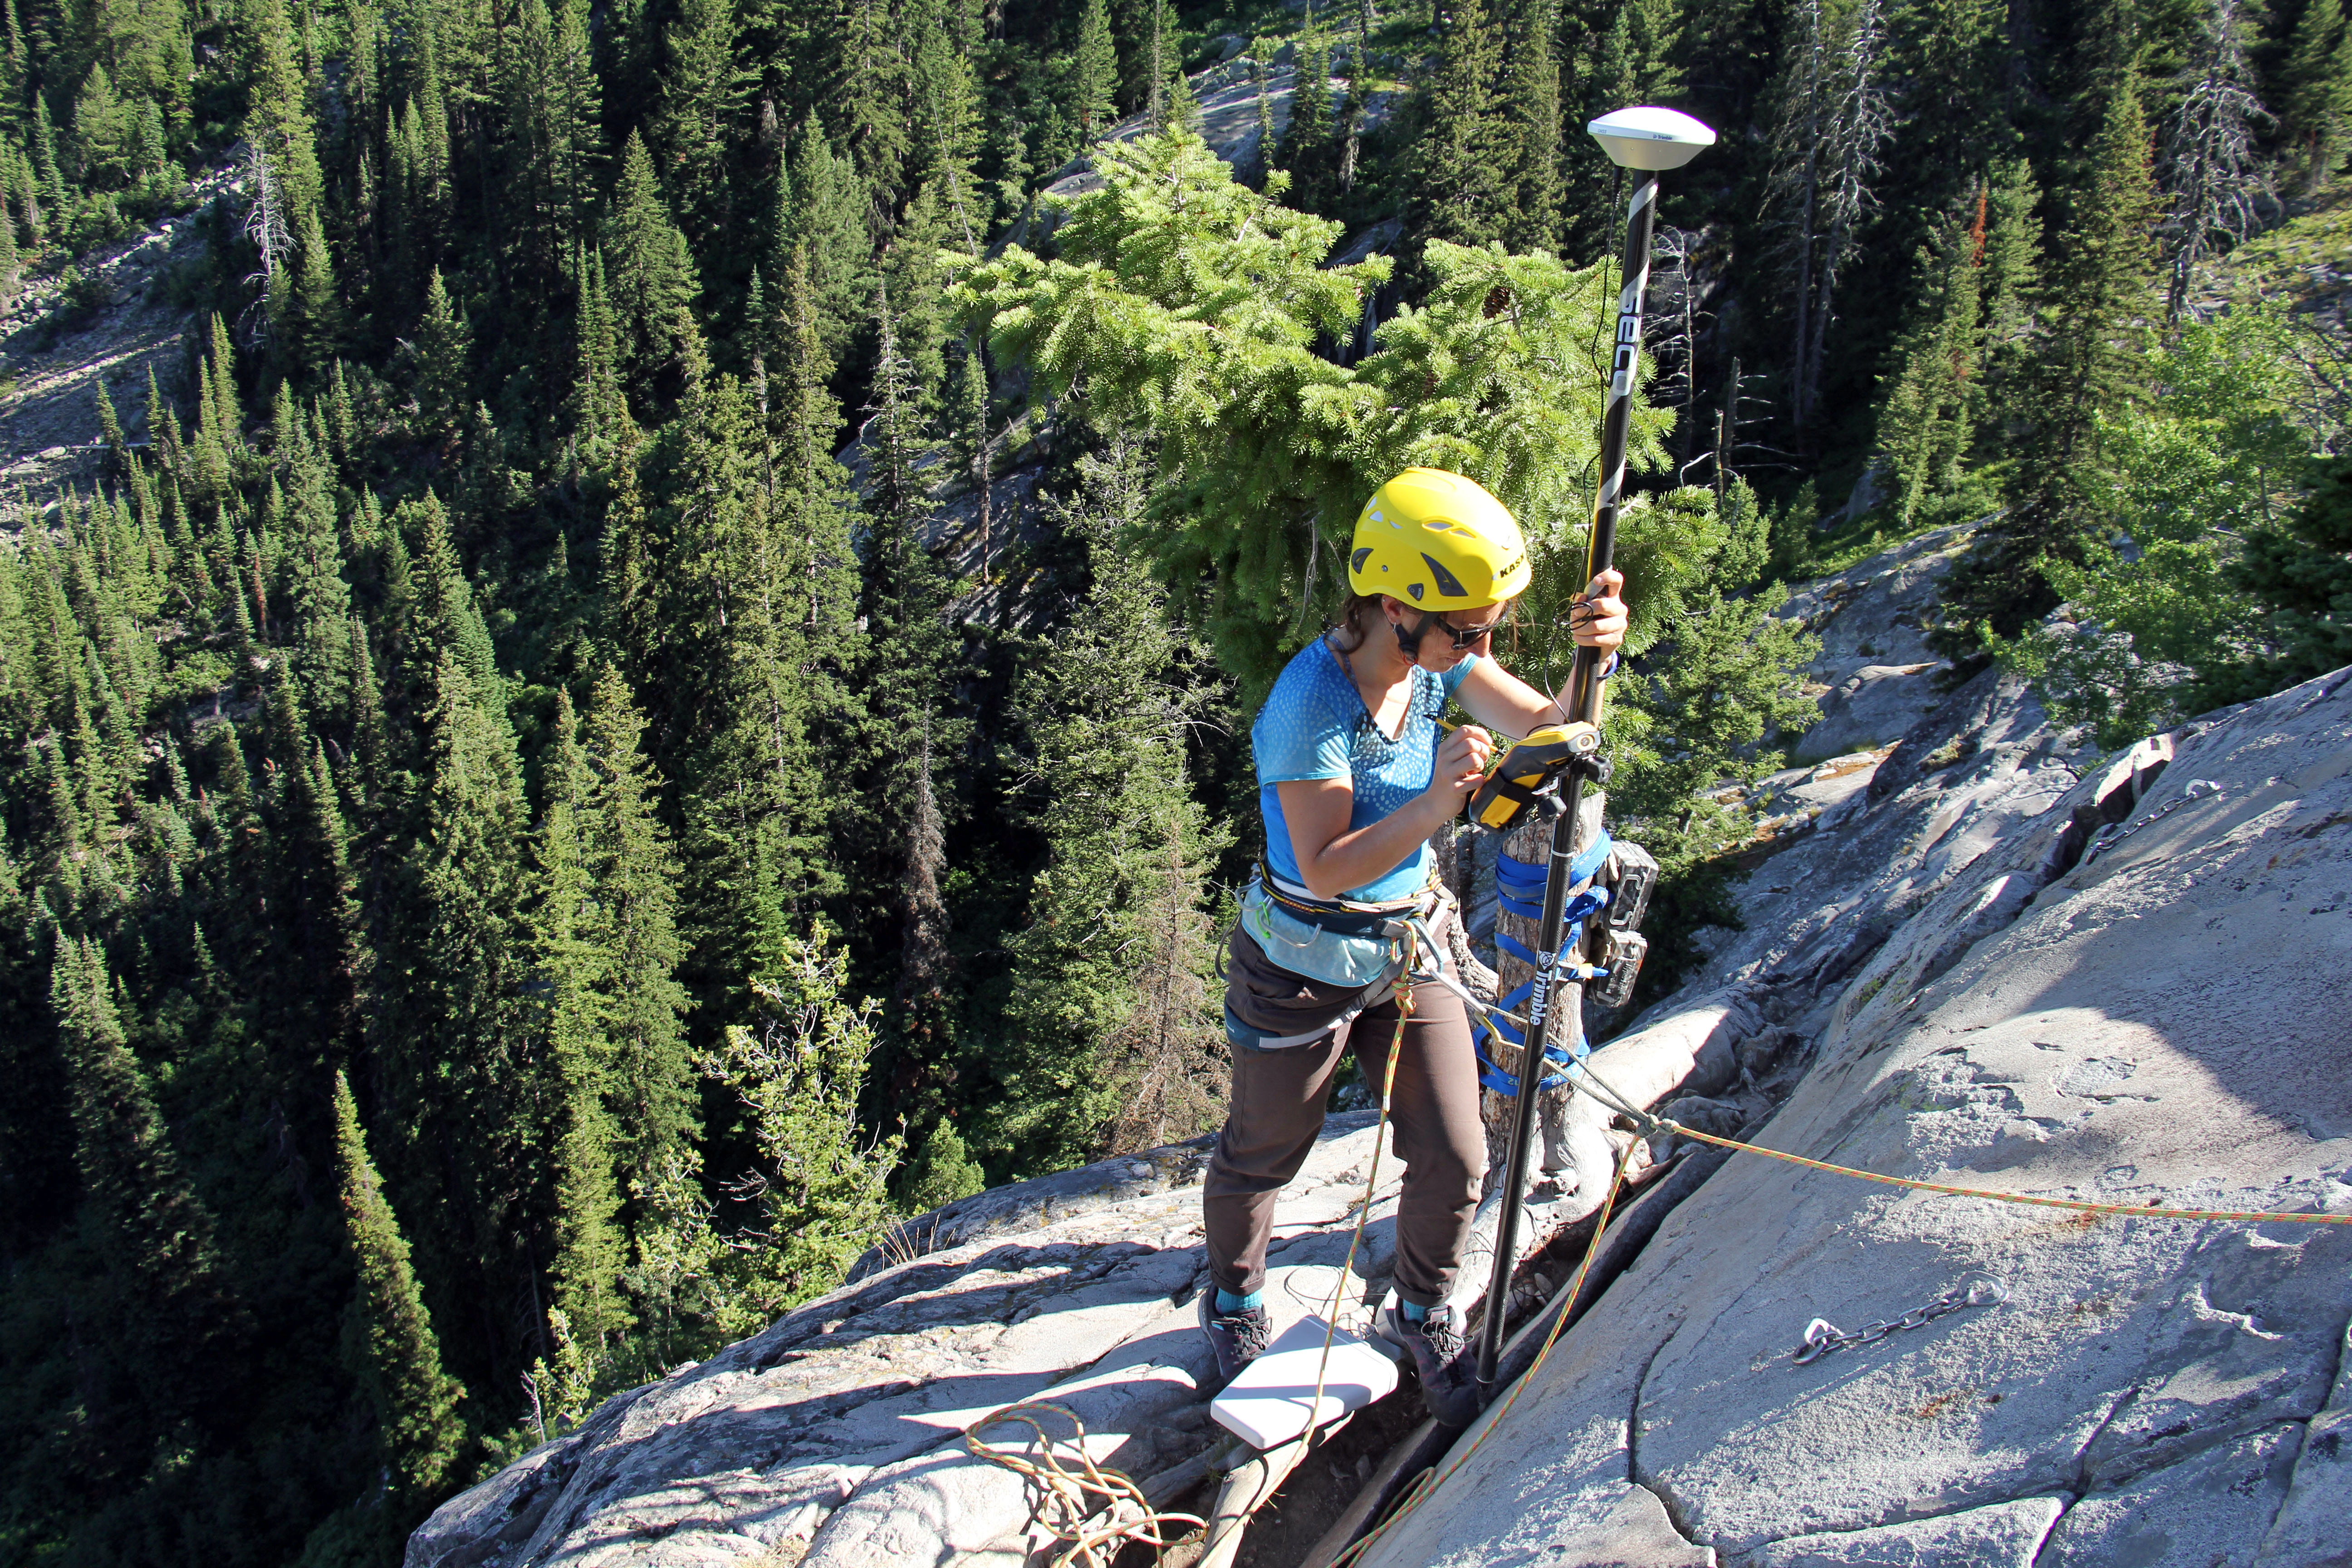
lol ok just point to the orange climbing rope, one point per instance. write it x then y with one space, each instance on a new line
1651 1124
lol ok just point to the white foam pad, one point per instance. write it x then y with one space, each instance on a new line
1267 1404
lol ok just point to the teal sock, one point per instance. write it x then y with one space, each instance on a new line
1414 1311
1229 1302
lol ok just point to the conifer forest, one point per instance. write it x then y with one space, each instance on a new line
660 680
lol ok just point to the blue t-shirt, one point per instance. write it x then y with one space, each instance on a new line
1315 726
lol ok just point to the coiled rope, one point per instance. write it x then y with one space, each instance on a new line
1069 1497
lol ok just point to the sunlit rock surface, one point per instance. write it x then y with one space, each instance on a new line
2163 1023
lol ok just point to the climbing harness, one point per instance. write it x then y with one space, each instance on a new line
1822 1337
1071 1493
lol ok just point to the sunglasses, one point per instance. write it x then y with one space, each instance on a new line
1463 639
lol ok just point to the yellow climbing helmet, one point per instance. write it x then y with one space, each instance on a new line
1437 541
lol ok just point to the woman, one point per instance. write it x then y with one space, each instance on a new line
1354 777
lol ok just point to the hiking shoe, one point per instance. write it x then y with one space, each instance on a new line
1236 1337
1447 1365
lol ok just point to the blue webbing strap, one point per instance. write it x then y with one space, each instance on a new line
1519 884
1518 887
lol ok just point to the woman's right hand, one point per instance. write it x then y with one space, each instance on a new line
1462 759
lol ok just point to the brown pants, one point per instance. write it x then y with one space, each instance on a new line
1277 1109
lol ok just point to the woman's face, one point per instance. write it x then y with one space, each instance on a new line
1447 638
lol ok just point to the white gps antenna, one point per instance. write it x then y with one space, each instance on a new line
1649 138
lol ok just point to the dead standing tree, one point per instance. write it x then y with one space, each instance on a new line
2210 171
1834 117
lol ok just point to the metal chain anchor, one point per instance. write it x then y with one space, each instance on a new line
2114 832
1821 1336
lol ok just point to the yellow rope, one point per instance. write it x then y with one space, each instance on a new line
2148 1211
1372 1181
1069 1498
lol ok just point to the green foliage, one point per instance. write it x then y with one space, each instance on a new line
650 271
796 1072
1465 162
1094 72
151 1227
1190 307
941 1172
389 1335
2160 622
2299 573
2095 297
2316 88
1113 1037
1924 423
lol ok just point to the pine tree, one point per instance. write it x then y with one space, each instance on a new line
636 876
441 363
2317 87
823 1180
389 1343
945 91
1295 437
52 185
702 92
1094 73
1924 420
1465 152
874 105
2299 574
924 1007
906 587
568 940
827 216
649 275
1533 72
188 1326
449 1037
2013 245
279 123
1110 1040
941 1171
314 935
548 90
2096 290
1309 149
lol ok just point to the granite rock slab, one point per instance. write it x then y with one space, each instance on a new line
2163 1026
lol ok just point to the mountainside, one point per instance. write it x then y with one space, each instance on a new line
628 635
1948 990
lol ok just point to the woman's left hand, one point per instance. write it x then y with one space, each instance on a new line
1596 616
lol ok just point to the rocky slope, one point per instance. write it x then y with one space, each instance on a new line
835 1432
1953 992
62 342
2159 1022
